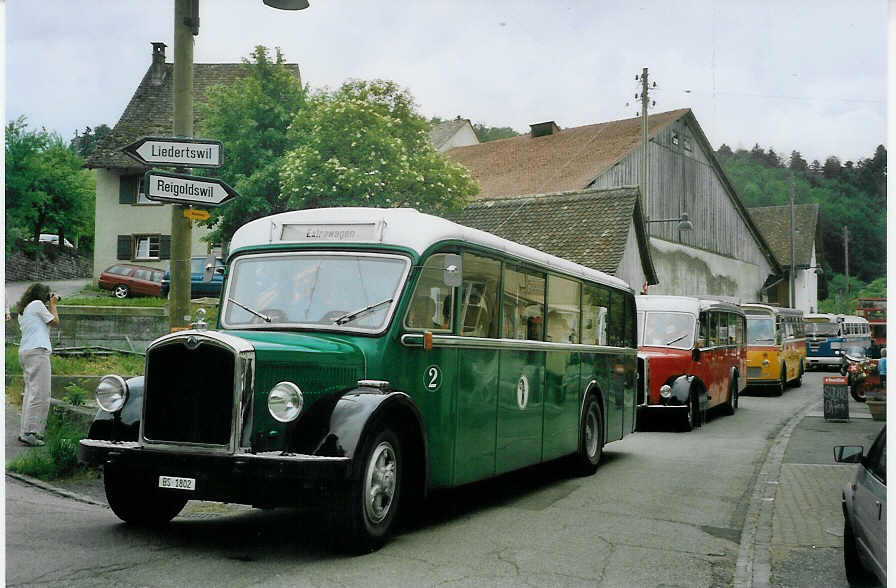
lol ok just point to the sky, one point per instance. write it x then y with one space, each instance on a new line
787 74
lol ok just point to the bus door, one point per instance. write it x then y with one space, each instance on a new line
478 369
562 369
522 371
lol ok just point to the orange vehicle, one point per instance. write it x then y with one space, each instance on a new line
776 346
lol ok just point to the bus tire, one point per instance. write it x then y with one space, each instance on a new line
132 499
591 438
782 381
799 379
691 417
731 404
372 498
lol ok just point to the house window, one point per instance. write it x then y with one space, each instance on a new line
131 190
146 246
687 144
675 138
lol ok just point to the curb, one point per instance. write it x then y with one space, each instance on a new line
54 489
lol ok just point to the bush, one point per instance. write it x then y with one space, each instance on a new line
75 395
59 457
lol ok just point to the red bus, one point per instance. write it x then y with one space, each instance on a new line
692 356
874 310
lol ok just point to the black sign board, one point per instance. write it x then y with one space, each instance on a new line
836 399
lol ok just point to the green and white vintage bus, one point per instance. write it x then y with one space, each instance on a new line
363 357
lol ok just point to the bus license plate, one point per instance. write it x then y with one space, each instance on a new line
177 483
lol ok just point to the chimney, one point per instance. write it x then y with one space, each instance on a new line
544 128
157 70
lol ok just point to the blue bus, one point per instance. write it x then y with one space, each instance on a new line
823 340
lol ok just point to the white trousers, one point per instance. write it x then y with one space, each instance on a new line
36 398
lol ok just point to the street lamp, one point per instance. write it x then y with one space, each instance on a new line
684 222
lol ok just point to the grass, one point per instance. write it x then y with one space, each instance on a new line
96 365
59 457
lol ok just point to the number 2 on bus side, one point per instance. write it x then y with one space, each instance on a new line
433 378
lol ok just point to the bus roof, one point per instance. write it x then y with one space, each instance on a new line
757 308
403 227
851 318
683 304
820 317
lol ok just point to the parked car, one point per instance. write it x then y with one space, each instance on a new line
864 501
54 239
125 280
199 288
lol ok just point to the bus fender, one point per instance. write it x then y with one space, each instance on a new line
343 420
127 427
681 389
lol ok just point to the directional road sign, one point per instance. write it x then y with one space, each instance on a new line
176 152
196 214
184 189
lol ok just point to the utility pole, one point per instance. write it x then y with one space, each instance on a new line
846 258
644 146
792 248
185 23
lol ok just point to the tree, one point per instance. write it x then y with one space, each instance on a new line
47 188
85 144
250 117
797 163
485 133
724 153
365 144
832 167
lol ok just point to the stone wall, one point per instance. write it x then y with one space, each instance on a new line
131 328
51 264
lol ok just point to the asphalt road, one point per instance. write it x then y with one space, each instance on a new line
664 509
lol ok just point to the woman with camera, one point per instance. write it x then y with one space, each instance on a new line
34 355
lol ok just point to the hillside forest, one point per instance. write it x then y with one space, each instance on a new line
851 194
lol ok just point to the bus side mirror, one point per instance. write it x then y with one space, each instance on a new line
848 453
695 354
453 270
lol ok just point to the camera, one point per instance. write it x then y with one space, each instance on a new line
58 297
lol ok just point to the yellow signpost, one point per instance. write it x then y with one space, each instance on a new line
196 214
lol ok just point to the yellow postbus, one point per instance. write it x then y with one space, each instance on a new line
776 346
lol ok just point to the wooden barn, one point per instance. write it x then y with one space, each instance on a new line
702 239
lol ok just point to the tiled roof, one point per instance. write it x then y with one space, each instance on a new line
151 109
774 224
568 160
443 131
558 224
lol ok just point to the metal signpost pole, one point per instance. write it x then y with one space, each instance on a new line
181 229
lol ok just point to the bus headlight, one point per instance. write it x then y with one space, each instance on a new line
764 363
285 402
666 391
111 393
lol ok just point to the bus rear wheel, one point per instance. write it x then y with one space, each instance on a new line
731 404
591 438
799 379
782 381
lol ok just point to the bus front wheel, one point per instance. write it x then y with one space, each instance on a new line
691 418
591 439
371 501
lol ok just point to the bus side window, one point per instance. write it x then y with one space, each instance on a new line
723 328
703 336
432 304
631 338
595 304
713 328
618 320
563 310
479 296
523 304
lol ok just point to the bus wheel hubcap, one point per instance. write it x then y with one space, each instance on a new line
379 483
591 432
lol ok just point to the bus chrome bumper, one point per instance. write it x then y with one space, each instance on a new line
835 361
249 478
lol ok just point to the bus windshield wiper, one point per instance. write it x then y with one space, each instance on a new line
350 316
263 317
676 339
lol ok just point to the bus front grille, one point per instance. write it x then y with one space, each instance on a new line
189 394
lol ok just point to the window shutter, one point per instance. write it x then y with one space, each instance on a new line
127 189
164 246
124 246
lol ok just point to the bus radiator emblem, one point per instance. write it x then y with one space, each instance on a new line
522 392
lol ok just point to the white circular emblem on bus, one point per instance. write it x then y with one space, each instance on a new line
522 392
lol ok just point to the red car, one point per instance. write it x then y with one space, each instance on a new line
126 280
691 355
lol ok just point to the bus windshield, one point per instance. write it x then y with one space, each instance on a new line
821 329
668 329
354 291
760 330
